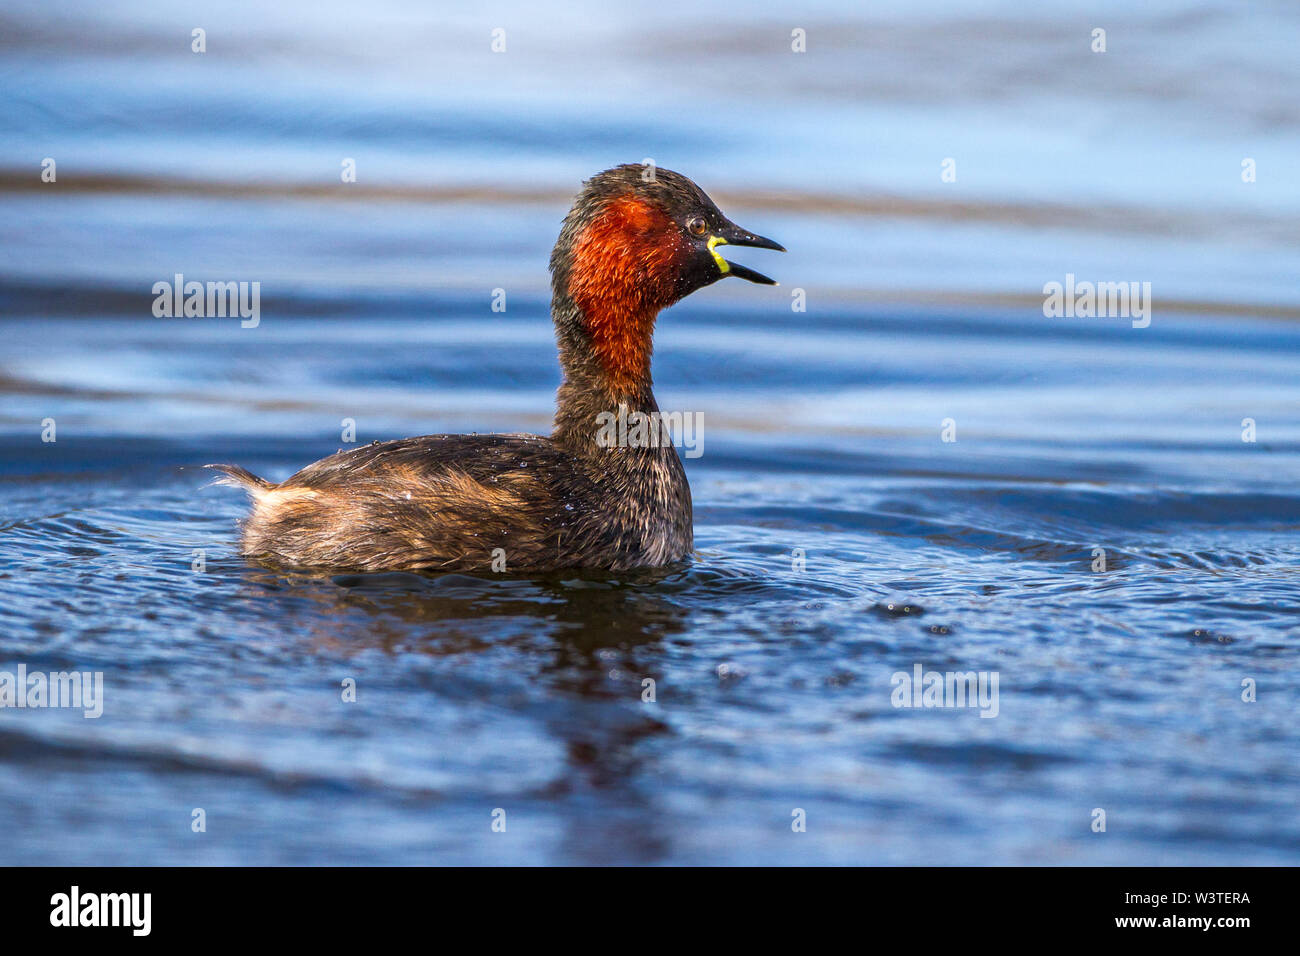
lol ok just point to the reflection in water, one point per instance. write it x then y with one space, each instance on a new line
580 634
580 614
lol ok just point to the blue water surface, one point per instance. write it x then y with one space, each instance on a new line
920 468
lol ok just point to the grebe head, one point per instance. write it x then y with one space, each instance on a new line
637 240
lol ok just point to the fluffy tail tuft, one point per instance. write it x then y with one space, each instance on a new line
238 477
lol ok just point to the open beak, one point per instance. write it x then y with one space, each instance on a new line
733 235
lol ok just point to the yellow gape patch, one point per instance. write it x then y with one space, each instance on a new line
723 265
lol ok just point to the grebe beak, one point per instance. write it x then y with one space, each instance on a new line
733 235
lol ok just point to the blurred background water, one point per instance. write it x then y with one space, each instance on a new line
1119 689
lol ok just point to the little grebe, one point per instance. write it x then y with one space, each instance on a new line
636 241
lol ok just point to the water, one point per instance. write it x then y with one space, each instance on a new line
1118 689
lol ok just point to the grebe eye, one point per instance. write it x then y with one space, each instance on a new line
697 226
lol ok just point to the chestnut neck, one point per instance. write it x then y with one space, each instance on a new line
606 364
614 267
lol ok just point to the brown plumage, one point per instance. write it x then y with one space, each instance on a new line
635 242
